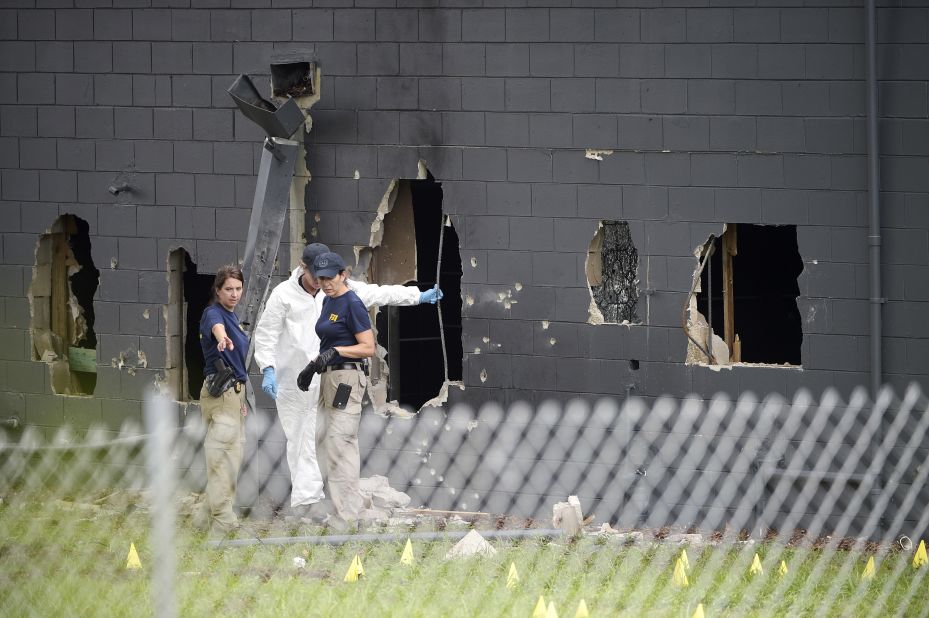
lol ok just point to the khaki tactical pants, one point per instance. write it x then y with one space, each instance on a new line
337 441
224 445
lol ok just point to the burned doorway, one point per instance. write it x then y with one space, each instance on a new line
413 229
189 293
748 293
63 286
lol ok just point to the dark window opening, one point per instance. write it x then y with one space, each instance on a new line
292 77
411 335
749 285
189 294
62 292
612 273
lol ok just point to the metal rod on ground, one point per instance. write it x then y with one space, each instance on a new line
161 483
339 539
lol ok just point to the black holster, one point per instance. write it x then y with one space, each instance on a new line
219 382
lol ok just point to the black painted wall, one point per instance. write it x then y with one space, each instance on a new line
725 113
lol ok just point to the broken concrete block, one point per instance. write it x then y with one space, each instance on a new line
568 516
377 492
610 533
685 539
472 544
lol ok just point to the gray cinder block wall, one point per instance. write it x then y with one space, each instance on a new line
731 113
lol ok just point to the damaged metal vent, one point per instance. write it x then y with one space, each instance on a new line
612 274
279 122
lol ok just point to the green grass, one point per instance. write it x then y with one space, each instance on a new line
71 561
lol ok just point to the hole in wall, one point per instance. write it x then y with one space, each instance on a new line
748 292
64 283
612 274
407 251
189 292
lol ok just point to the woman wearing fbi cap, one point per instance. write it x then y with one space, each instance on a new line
344 329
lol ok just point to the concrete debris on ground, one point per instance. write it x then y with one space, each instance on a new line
610 533
472 544
685 539
378 494
568 516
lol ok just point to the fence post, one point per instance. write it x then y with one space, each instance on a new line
160 472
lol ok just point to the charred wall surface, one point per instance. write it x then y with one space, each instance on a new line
538 122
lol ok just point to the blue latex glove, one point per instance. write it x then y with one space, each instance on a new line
431 296
269 382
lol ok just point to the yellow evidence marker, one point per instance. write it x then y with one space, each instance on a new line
685 560
132 558
582 610
512 578
539 611
756 569
355 570
698 613
551 612
680 574
783 568
920 558
868 572
407 556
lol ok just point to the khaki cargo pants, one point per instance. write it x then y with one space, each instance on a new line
224 445
337 441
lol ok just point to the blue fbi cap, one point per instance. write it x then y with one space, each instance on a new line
328 265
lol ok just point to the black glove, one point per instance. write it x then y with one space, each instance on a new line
314 366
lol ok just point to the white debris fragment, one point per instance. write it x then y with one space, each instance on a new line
486 339
299 562
473 544
473 262
357 175
597 155
552 341
483 375
518 286
568 516
377 492
545 324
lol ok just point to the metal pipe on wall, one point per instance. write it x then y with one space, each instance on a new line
874 188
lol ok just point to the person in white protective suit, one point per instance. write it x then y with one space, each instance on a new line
285 341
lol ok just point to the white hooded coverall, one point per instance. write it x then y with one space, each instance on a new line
286 339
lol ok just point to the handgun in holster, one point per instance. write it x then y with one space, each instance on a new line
217 383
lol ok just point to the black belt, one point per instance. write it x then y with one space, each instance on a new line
355 366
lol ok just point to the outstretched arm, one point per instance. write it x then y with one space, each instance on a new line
373 295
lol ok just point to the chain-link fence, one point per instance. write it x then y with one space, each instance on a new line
682 508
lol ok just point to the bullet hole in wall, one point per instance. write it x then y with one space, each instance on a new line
748 292
411 335
62 313
612 274
189 293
